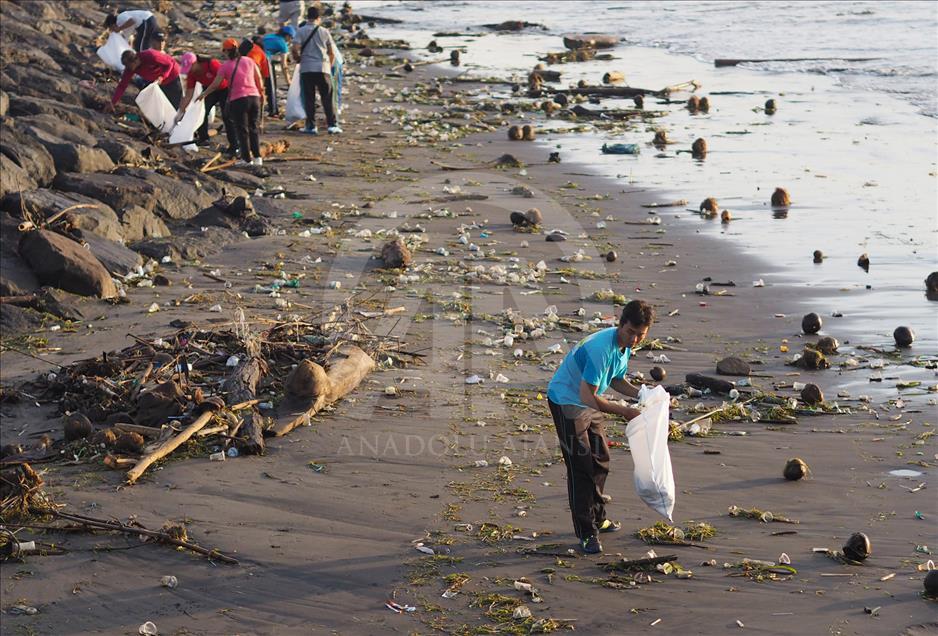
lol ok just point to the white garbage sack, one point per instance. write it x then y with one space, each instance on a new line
156 107
110 53
648 441
295 109
190 122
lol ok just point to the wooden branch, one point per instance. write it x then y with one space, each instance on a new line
241 388
211 161
221 166
344 376
733 61
167 447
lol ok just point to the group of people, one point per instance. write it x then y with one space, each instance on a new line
241 84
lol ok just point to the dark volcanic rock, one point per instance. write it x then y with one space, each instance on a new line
13 178
139 223
812 394
63 263
18 320
118 191
733 366
116 258
16 277
26 152
811 323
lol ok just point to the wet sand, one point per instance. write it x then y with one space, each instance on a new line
323 552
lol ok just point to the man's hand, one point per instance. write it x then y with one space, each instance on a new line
179 116
631 413
108 107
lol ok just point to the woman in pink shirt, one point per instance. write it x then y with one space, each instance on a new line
245 97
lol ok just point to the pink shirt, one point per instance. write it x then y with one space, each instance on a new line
242 85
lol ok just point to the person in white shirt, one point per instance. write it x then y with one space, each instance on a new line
142 22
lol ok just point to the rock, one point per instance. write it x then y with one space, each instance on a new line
561 99
709 206
733 366
121 153
518 219
16 278
71 157
699 148
613 77
77 426
903 336
858 547
827 345
555 237
27 153
812 394
118 191
58 303
931 283
611 256
100 221
658 374
931 583
864 262
157 405
116 258
16 320
514 133
770 107
63 263
307 380
812 359
534 216
716 385
508 161
396 255
187 247
818 256
177 198
139 223
13 178
4 103
129 442
780 198
811 323
47 127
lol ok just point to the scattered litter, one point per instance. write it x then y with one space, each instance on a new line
169 581
148 629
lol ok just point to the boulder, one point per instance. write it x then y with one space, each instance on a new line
733 366
13 178
121 153
176 199
101 221
116 258
812 394
63 263
117 190
4 103
16 278
188 247
72 156
27 153
139 223
51 124
18 320
75 115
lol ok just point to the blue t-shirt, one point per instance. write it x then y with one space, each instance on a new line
275 45
596 360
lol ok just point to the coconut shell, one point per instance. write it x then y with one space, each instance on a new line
931 583
780 198
528 132
903 336
693 103
106 437
77 426
661 138
931 283
639 101
864 262
812 394
795 469
813 359
307 380
710 206
129 442
518 219
658 374
514 133
534 216
818 256
396 254
699 148
827 345
561 99
858 547
770 107
705 104
725 216
811 323
9 450
611 256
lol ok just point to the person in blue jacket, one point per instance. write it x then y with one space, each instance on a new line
277 47
577 405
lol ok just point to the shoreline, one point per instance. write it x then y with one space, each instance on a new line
323 551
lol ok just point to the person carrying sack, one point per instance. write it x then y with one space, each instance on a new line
142 21
203 70
152 66
316 56
245 100
575 398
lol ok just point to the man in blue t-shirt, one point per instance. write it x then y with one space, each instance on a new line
575 397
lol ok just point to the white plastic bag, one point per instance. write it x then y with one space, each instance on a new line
156 108
110 53
190 122
295 109
648 441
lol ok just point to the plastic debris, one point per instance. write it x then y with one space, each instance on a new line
148 629
169 581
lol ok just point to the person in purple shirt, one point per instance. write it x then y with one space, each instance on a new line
575 398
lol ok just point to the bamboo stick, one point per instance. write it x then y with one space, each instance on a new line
168 447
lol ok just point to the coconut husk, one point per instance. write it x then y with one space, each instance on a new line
639 101
812 359
699 148
77 426
693 103
726 216
704 104
812 394
770 107
528 132
157 405
795 469
903 336
811 323
277 147
307 380
827 345
780 198
931 283
129 442
661 138
709 207
818 256
106 438
658 374
534 216
858 547
514 133
396 254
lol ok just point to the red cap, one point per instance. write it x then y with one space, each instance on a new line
230 43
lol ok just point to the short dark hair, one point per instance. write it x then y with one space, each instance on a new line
638 313
128 56
312 13
245 47
110 20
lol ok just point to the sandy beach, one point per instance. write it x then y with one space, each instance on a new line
400 493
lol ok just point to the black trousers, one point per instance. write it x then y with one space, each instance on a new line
244 114
173 92
218 100
310 83
586 454
270 87
144 33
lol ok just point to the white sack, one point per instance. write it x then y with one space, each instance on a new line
190 122
156 107
295 109
648 441
110 53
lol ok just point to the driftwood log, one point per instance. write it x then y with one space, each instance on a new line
716 385
167 447
734 61
343 375
240 387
